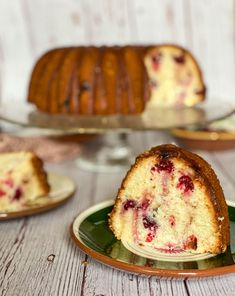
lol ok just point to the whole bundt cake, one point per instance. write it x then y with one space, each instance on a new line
115 80
171 201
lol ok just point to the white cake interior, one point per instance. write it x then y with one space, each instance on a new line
166 206
175 79
20 180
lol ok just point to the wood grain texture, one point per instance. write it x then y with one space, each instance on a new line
211 41
37 256
27 243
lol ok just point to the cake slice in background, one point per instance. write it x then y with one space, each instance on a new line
22 180
171 201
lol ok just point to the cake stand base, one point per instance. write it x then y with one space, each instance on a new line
107 153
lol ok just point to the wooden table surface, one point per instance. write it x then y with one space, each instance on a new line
27 29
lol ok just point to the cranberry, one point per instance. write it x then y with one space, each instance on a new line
153 170
156 61
85 86
2 193
165 165
191 243
185 183
146 200
8 182
180 59
66 103
145 204
172 220
18 194
150 237
129 204
170 249
149 223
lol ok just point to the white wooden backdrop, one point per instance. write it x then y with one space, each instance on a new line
30 27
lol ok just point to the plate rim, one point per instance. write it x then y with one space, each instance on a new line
230 203
141 270
40 208
200 135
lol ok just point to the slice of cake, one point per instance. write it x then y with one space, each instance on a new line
22 180
171 201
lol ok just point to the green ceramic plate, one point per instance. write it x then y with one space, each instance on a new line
91 233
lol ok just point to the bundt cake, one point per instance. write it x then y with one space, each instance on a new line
171 201
22 180
115 80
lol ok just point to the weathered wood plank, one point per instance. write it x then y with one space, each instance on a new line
159 21
25 269
15 52
211 42
223 285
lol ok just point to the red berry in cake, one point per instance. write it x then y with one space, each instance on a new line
156 61
85 86
153 170
170 249
2 193
145 204
8 182
165 165
66 102
129 204
18 194
185 183
150 236
149 223
179 59
191 243
172 220
146 200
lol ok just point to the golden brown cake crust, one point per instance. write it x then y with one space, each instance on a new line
37 164
95 80
204 171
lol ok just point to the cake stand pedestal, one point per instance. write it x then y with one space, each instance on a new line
106 153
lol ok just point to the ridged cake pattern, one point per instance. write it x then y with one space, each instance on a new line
115 80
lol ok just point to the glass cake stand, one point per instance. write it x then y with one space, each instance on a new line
110 151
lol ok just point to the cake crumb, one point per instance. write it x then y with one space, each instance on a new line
84 262
220 218
51 258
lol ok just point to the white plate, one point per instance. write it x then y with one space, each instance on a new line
62 188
